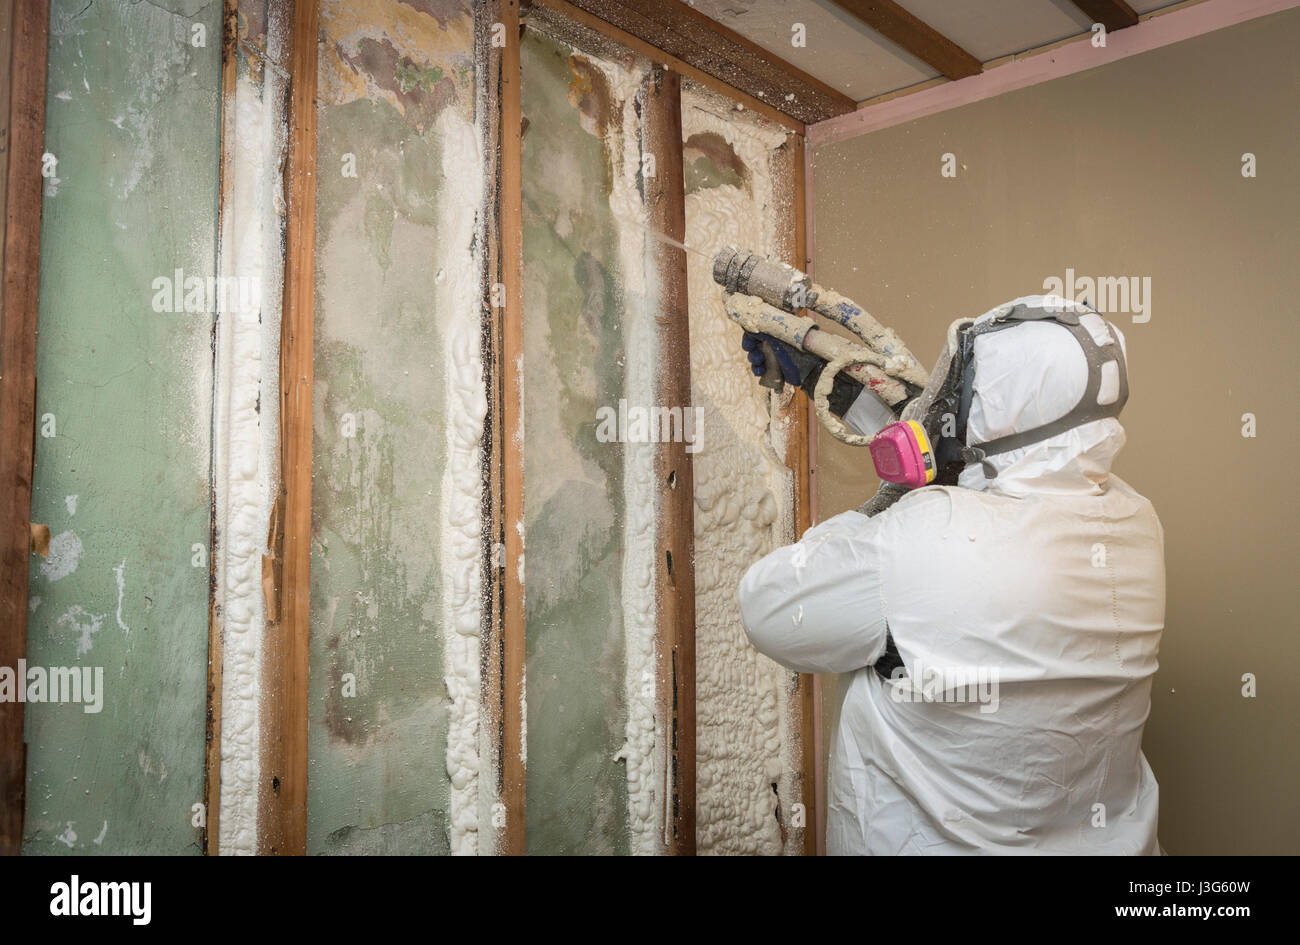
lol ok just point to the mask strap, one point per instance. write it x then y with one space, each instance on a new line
1085 411
969 455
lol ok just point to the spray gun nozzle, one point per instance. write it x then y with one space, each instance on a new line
777 284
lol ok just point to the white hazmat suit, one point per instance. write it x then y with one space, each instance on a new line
1027 610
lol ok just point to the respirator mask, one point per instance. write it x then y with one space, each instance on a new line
928 443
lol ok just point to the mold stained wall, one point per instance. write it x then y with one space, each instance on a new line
594 755
738 193
398 414
124 403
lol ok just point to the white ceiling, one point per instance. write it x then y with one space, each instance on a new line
849 56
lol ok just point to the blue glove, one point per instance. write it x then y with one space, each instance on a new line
758 361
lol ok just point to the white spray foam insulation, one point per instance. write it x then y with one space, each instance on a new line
743 507
246 437
458 304
643 750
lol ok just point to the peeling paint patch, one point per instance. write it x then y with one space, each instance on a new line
84 624
417 58
710 161
151 767
120 573
40 540
64 556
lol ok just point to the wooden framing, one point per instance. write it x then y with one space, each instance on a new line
665 198
802 691
567 11
688 52
818 808
282 807
282 796
24 29
691 37
1113 14
914 36
1157 29
212 721
503 498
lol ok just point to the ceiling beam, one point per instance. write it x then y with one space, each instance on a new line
1113 14
724 54
914 35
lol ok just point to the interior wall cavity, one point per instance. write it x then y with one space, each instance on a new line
398 417
595 742
246 406
747 752
123 421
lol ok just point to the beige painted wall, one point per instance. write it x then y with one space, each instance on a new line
1134 169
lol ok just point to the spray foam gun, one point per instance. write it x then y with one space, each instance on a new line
766 297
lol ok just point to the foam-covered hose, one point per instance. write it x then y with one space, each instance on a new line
822 393
885 496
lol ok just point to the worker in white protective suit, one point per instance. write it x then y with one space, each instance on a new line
1000 635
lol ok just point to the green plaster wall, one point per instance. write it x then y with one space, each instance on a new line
133 118
574 308
378 779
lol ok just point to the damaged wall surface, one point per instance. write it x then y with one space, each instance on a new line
397 419
123 427
583 292
160 434
595 742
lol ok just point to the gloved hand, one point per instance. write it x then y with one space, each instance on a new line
800 369
790 370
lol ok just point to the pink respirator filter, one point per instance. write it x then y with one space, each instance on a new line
901 453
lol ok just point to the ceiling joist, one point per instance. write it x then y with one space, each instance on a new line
914 35
724 54
1113 14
